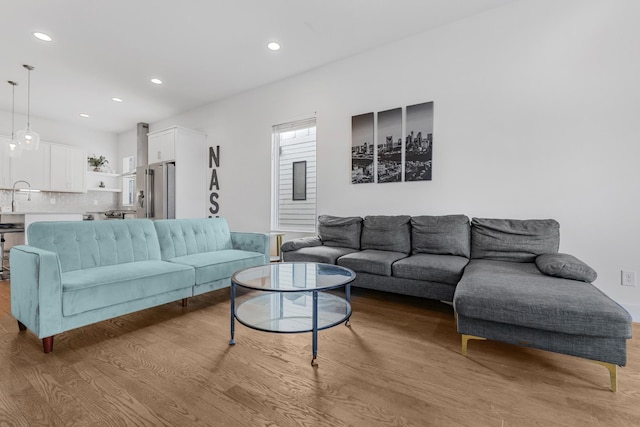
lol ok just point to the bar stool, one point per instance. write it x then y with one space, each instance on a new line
3 273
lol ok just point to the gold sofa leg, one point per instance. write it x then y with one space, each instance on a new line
613 374
612 368
465 340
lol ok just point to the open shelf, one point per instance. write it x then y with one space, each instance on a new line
113 190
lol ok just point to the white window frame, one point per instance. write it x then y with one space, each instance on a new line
277 132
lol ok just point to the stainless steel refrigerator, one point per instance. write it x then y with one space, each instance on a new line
156 191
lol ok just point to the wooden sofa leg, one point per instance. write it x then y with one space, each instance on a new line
613 374
465 340
21 326
185 302
47 344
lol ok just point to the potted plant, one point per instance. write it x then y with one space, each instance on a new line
97 162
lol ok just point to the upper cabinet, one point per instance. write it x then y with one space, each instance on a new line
32 166
52 167
5 168
162 146
68 166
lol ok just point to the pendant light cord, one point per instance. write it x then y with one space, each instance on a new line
29 68
13 108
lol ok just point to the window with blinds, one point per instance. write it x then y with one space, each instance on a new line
294 176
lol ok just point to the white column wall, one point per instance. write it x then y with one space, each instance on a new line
537 106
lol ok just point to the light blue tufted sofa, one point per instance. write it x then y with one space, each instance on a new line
74 273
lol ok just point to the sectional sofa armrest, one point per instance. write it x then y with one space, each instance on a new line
254 242
301 242
36 289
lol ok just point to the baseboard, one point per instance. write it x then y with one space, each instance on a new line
634 310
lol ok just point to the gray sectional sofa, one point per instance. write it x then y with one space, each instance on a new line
505 278
74 273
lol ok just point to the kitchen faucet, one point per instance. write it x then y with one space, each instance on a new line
13 194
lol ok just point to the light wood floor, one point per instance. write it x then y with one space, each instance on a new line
398 365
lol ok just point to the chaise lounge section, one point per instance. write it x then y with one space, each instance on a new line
518 289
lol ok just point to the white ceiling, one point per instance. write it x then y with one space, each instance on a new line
204 50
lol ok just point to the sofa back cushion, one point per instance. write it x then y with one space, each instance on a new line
512 239
180 237
441 235
342 232
87 244
387 233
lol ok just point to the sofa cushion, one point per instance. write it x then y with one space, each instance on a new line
433 268
512 239
217 265
445 235
92 288
565 266
324 254
519 294
387 233
88 244
342 232
371 261
180 237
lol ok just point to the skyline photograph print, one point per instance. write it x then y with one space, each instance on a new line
362 148
418 149
389 146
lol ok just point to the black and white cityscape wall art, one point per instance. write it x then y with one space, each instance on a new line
418 148
389 146
362 144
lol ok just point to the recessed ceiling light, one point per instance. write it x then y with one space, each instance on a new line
156 81
273 46
85 115
42 36
116 99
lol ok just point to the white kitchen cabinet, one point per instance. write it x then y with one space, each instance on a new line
68 165
162 145
33 166
5 167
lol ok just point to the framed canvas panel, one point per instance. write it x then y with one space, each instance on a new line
389 146
418 149
362 149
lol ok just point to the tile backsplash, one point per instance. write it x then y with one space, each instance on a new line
92 201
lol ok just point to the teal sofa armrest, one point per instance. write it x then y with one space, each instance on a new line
253 242
36 289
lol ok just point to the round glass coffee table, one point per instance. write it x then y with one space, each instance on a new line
291 297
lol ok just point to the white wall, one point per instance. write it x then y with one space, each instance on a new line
536 116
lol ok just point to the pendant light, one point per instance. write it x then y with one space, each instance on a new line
12 146
28 139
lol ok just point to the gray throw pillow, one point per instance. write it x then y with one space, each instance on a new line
441 235
299 243
565 266
513 239
387 233
342 232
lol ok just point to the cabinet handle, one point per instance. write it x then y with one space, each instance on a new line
159 155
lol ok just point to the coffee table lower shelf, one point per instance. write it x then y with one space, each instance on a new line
290 312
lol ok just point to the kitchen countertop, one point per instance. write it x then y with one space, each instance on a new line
40 213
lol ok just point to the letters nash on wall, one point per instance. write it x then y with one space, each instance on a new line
214 185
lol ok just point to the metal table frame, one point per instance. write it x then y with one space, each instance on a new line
315 292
